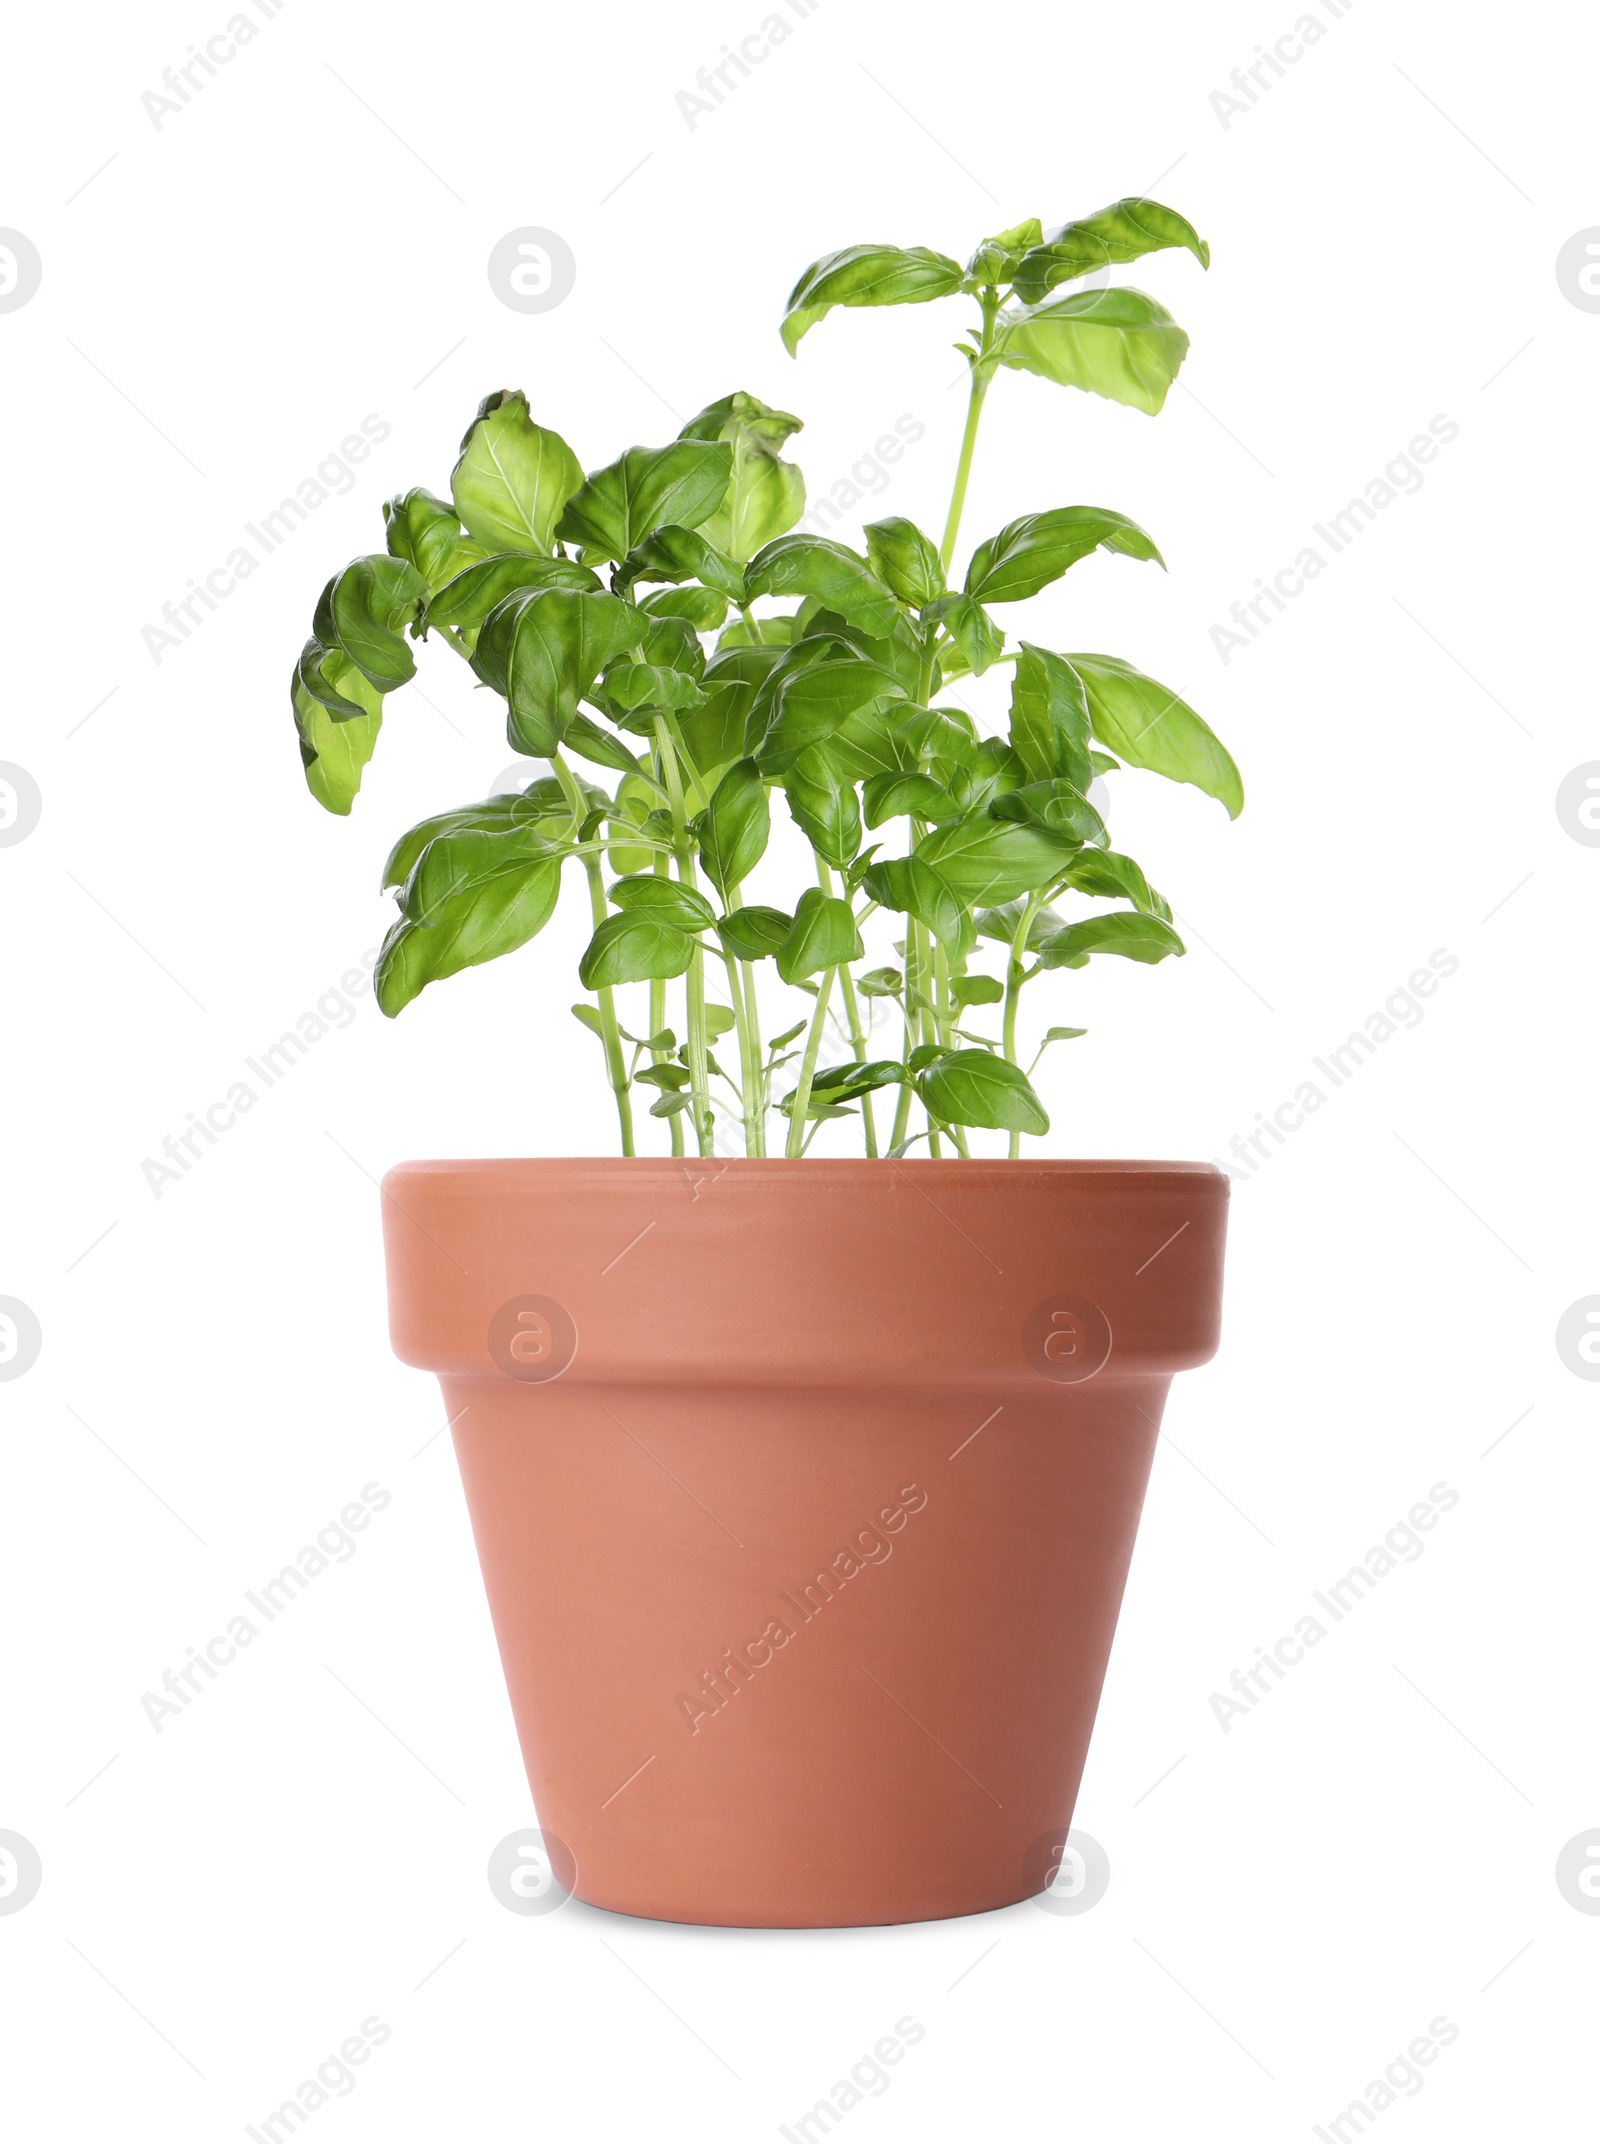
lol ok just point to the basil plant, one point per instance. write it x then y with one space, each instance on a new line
674 654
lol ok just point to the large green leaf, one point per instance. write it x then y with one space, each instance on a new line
766 494
1149 726
427 532
471 896
1050 718
866 275
824 806
734 826
1117 343
974 1087
364 611
908 796
754 933
915 888
716 734
513 477
1125 231
620 505
813 702
1056 805
467 598
984 860
1037 549
591 742
334 752
1111 876
542 649
638 945
971 628
905 560
1134 936
823 935
671 553
801 565
494 815
668 900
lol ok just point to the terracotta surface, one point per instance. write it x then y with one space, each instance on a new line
686 1392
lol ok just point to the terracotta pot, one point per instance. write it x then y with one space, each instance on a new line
804 1494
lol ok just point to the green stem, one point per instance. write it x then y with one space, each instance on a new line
658 1020
747 1023
852 1014
683 849
982 373
1016 976
610 1034
795 1144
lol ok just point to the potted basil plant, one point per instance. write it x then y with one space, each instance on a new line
700 1396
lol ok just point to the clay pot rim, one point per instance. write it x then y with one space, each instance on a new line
856 1170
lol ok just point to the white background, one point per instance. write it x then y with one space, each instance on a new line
222 302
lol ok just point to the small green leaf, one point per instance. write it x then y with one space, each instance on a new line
335 750
824 806
672 553
1147 725
1111 237
976 990
911 886
720 1020
1056 805
1050 718
881 983
1116 343
620 505
542 649
471 896
494 815
363 612
802 565
467 598
735 826
974 1087
652 686
866 275
591 742
635 946
1031 552
766 494
427 533
1134 936
513 478
823 935
813 702
754 934
996 260
905 560
703 609
1118 878
971 628
907 796
666 898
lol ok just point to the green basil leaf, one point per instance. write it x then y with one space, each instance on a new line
1111 237
1031 552
471 896
335 748
467 598
638 945
982 860
591 742
813 701
427 533
972 629
650 685
667 898
1104 873
843 1083
996 260
513 477
802 565
754 933
672 553
542 649
702 609
1055 805
717 734
881 983
974 1087
1134 936
734 826
908 796
364 611
1117 343
1147 725
495 815
976 990
824 805
823 935
620 505
914 887
905 560
1050 718
766 494
866 275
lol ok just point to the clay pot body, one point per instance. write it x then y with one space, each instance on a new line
805 1494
